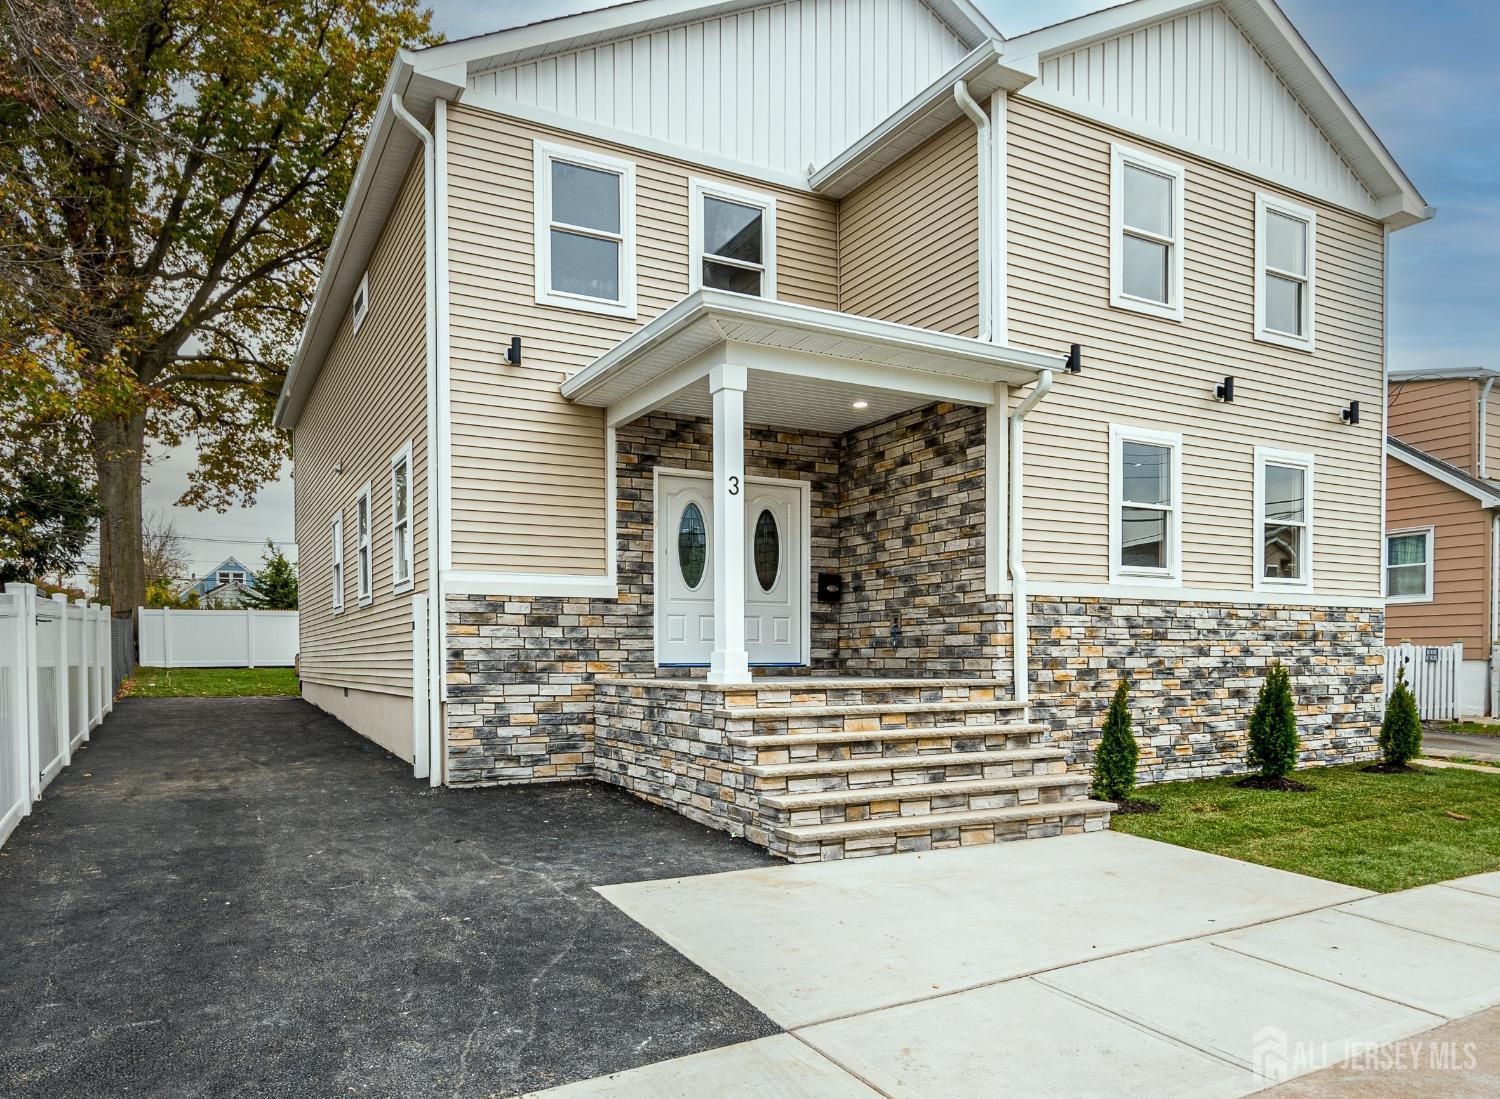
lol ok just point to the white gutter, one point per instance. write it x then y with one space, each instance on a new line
1484 427
435 450
1020 646
986 218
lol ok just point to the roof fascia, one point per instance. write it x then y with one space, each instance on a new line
1440 471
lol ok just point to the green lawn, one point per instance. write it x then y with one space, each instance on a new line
1381 832
210 682
1469 728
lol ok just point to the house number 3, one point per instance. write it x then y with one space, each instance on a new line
734 486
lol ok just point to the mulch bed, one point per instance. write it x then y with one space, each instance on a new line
1128 806
1286 785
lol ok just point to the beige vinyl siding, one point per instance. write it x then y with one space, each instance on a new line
368 401
528 467
1440 418
1154 373
1461 562
909 239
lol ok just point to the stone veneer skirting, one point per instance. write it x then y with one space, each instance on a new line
1195 670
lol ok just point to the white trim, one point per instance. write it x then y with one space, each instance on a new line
408 540
1269 203
806 566
543 155
700 188
1305 461
359 305
1121 156
336 578
364 547
439 448
1429 534
1000 260
996 490
1171 574
611 502
463 582
1132 590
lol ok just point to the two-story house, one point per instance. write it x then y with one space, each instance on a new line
803 413
1443 521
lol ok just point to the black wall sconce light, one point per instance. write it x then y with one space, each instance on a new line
513 353
1350 415
1075 359
1224 391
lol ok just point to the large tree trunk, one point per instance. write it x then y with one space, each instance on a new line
119 449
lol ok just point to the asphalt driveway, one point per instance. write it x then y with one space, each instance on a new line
241 897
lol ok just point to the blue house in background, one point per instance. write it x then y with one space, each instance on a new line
223 584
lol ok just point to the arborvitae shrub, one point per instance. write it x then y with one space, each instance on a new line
1273 726
1114 762
1401 731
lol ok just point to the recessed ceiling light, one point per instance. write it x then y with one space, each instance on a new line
860 404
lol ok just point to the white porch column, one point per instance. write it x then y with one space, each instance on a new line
729 663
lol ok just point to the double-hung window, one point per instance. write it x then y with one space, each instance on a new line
1283 519
1145 505
362 546
1146 233
733 235
361 304
1285 272
585 230
401 540
336 537
1408 566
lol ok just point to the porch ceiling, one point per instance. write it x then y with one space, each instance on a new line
807 367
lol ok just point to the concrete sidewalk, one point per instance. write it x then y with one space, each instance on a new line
1091 965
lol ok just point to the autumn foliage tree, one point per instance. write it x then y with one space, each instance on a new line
171 175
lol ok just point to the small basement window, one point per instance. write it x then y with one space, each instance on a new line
1408 566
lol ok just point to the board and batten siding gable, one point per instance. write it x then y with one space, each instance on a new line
1199 79
1154 373
909 239
1439 417
1459 610
528 466
779 86
369 399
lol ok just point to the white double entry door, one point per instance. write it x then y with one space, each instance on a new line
777 567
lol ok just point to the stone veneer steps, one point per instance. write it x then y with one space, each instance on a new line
855 768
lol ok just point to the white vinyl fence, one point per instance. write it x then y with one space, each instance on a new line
54 688
1432 673
217 639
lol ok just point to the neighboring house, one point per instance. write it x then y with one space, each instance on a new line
222 586
1443 520
690 401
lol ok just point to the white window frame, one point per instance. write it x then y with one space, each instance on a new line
543 154
1430 535
1265 456
364 548
359 306
336 562
1171 575
401 537
1120 156
1265 202
700 189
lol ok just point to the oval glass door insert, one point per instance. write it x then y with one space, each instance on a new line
692 545
767 550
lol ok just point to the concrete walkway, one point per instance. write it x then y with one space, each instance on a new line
1090 965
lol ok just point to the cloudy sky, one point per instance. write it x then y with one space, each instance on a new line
1422 75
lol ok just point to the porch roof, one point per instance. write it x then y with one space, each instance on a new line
808 367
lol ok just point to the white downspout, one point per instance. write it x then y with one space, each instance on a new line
1484 427
434 660
986 216
1492 706
1020 644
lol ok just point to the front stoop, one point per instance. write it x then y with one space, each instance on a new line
831 769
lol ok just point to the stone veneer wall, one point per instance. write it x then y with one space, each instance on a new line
897 508
1195 671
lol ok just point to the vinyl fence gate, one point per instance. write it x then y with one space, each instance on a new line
54 689
1432 673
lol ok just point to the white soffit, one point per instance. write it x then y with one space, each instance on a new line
1230 81
780 86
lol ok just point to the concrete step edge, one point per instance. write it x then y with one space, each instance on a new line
900 763
854 736
927 822
917 791
864 709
